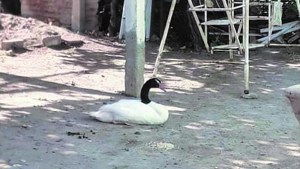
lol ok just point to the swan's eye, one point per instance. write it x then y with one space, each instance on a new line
157 81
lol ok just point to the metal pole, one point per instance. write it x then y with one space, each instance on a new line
164 38
246 45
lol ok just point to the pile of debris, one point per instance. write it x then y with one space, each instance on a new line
20 32
287 33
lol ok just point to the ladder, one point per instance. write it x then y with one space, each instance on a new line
228 7
230 22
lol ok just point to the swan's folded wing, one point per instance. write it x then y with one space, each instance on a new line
129 111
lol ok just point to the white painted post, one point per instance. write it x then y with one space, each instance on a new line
148 15
78 15
135 46
148 18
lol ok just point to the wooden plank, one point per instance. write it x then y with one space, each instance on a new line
277 34
293 38
278 28
135 47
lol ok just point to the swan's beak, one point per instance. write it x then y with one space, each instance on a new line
162 87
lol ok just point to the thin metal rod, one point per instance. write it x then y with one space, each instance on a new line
215 9
204 38
228 13
164 38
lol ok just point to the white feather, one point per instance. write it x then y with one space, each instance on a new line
132 112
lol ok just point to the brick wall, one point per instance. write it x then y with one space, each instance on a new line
59 10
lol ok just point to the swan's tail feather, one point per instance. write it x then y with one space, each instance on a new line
102 115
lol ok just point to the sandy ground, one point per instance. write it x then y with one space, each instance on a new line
46 94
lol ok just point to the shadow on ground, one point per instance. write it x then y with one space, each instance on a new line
210 125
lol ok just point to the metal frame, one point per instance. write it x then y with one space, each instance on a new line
234 42
204 34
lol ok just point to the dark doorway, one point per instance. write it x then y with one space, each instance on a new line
11 6
109 16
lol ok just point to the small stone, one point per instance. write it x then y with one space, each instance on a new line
17 165
183 47
12 43
69 125
59 140
23 161
51 40
24 126
69 133
37 144
73 42
137 133
10 53
262 154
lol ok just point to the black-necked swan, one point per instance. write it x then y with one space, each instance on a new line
130 111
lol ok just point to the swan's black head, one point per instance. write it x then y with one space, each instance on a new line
151 83
154 83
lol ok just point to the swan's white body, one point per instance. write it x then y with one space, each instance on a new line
132 112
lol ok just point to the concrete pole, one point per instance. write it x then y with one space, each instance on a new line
78 15
135 46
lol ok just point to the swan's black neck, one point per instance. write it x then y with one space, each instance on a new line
144 94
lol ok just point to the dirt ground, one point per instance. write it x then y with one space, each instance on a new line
46 94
